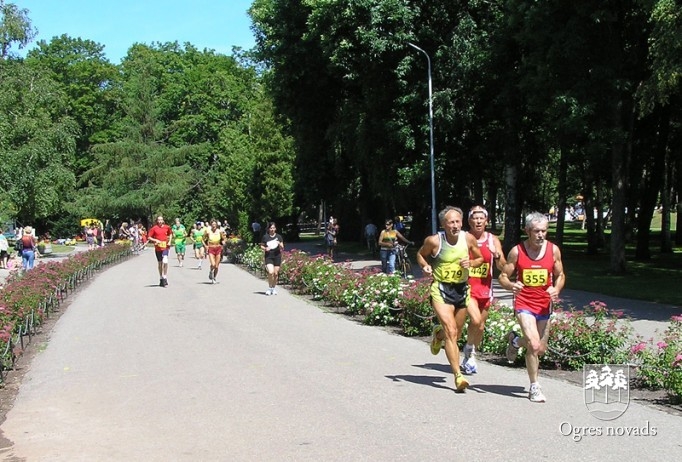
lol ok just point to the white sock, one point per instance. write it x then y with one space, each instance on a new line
534 385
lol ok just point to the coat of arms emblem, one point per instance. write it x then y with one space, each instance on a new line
606 390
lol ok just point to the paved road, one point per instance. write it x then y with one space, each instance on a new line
200 372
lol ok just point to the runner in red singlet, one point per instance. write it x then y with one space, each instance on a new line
539 279
481 283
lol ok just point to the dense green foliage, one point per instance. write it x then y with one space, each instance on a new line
534 105
170 130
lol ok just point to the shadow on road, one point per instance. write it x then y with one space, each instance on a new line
504 390
429 380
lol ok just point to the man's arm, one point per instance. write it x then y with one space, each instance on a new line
498 254
508 270
474 252
558 275
426 252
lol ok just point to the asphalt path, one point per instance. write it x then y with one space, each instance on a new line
202 372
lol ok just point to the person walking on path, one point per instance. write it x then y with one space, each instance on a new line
371 237
481 283
214 240
539 280
448 256
388 240
272 244
179 238
160 235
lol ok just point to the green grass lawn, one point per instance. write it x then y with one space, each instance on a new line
652 280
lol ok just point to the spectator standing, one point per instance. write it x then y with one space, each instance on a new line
388 240
331 236
399 225
4 250
371 235
28 249
255 228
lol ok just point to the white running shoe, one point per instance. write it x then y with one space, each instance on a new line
512 351
274 291
268 292
470 367
535 394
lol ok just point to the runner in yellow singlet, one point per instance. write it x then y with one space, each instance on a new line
447 256
214 239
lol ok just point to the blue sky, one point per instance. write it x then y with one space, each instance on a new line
214 24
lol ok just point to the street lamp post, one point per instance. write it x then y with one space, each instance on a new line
434 229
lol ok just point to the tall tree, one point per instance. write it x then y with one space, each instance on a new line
15 28
37 143
91 83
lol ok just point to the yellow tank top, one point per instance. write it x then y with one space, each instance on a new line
214 238
446 267
389 236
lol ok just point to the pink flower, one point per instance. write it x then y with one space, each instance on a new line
677 318
678 360
661 345
641 346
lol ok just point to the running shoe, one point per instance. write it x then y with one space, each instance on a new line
535 394
274 291
436 344
161 284
213 281
210 274
512 351
470 367
461 383
268 292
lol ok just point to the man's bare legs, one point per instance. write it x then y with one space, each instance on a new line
452 321
534 341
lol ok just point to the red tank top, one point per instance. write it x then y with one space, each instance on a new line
537 276
481 278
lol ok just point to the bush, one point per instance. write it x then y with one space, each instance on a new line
660 365
417 314
593 335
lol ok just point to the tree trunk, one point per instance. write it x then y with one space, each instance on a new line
666 241
493 189
561 205
512 233
618 182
